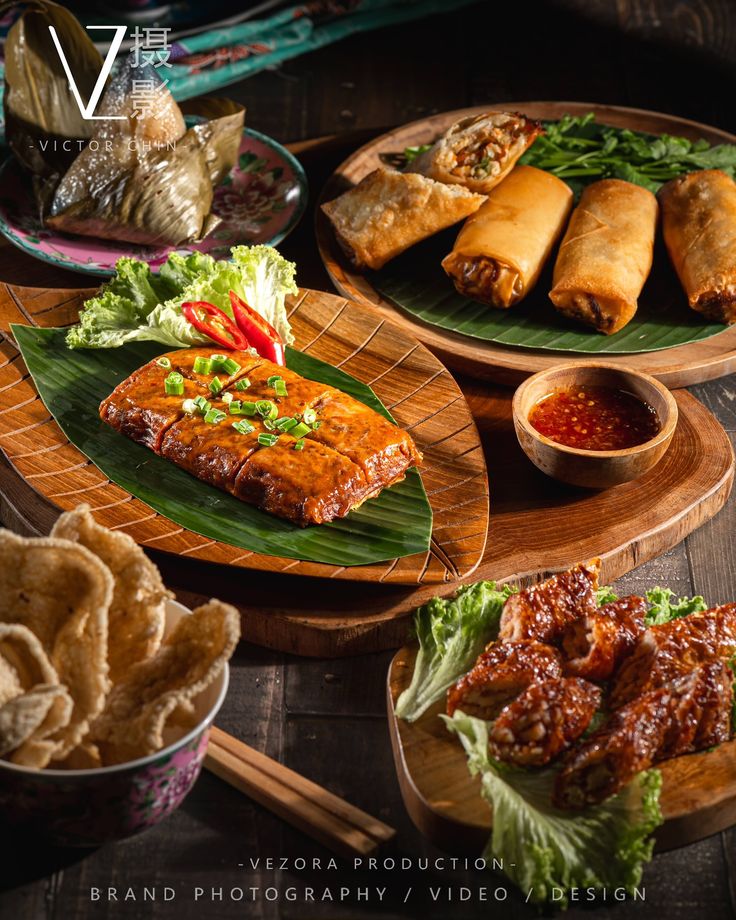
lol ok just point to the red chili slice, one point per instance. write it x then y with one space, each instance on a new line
260 333
213 322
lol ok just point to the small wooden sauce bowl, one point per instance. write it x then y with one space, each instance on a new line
593 469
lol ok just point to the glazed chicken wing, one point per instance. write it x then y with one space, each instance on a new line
690 714
544 610
500 674
671 649
595 644
544 720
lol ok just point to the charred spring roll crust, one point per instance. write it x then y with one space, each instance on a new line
478 151
699 228
502 248
388 211
544 720
595 644
309 486
606 255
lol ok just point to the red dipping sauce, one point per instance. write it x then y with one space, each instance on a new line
595 418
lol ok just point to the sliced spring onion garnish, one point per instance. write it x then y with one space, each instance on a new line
230 366
309 416
280 388
227 398
217 362
271 382
269 425
242 384
202 365
174 384
316 425
267 440
299 444
189 406
247 407
216 385
163 362
202 404
266 409
299 430
285 423
243 427
214 416
234 407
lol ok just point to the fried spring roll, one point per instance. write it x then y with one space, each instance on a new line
388 211
699 228
543 611
596 643
478 151
502 248
500 674
606 255
690 714
544 720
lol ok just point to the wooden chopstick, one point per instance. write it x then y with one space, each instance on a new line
332 821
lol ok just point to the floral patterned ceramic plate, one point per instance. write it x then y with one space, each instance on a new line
261 201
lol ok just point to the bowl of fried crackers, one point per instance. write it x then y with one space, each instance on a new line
108 686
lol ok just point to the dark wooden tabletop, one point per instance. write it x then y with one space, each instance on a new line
327 719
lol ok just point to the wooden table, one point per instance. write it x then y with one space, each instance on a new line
327 719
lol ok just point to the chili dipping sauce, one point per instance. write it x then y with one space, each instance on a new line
595 418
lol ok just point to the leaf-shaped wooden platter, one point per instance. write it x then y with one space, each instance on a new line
413 291
413 385
444 800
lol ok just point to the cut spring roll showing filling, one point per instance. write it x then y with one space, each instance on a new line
388 211
500 674
606 255
478 151
544 720
502 248
543 611
596 643
690 714
699 228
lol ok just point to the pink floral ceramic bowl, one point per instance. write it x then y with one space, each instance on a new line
90 807
260 201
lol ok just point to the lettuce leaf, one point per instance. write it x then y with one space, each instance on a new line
547 852
452 632
664 605
138 305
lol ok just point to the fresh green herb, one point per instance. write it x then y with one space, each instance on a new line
411 153
299 430
316 425
267 440
227 398
217 362
216 386
299 445
202 365
580 150
452 632
267 409
285 423
174 384
214 416
664 605
230 366
269 425
548 852
164 362
242 384
234 407
202 404
243 427
189 406
309 416
247 408
278 385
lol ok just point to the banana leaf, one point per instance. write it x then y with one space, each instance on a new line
73 383
416 283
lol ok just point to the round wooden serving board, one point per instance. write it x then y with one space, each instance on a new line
415 387
698 790
676 367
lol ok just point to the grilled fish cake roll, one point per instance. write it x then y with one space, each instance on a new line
606 255
310 486
365 437
500 674
690 714
664 652
140 409
543 721
699 228
596 643
502 248
388 211
478 151
544 610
